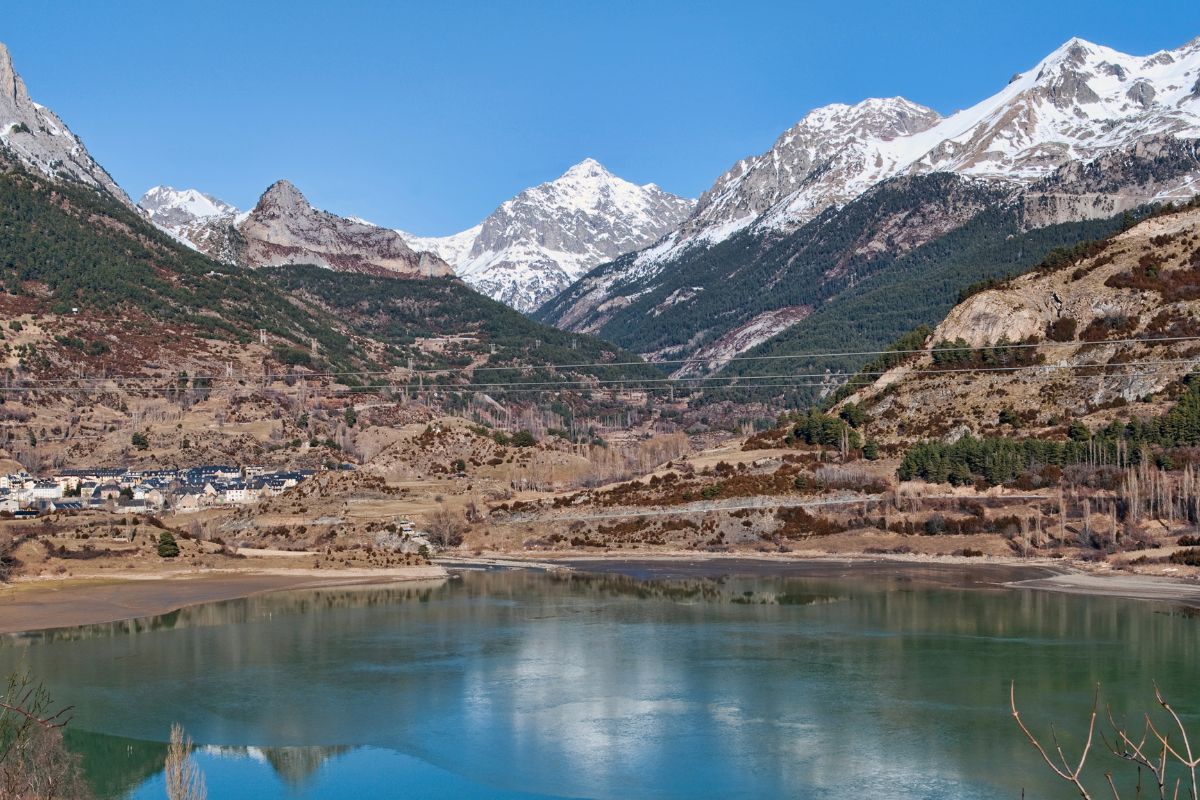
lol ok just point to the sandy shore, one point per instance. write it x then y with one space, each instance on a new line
1137 587
36 604
57 603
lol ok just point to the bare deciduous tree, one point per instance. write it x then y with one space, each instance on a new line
185 781
446 528
34 763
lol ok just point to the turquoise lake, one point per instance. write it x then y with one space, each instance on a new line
529 685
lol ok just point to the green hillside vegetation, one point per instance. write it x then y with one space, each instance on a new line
399 312
918 289
996 460
67 246
71 246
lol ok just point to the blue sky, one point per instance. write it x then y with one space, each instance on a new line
425 116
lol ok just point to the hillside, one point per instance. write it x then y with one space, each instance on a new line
66 247
854 278
1053 347
453 328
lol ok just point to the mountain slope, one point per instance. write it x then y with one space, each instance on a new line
1087 134
34 136
537 243
1078 313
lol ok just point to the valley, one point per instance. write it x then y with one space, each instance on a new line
901 366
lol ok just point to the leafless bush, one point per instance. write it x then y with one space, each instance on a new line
1153 750
185 781
34 763
446 528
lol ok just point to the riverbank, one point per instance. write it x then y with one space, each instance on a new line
37 604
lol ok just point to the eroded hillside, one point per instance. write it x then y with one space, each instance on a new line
1102 331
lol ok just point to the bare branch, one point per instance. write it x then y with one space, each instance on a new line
1066 773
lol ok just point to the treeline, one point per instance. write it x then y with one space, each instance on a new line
997 460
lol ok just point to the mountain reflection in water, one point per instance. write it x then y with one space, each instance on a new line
520 685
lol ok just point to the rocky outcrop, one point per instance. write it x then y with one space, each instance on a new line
35 137
285 229
1098 335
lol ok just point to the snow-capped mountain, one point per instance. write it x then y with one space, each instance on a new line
198 220
37 138
536 244
1080 102
175 209
1086 134
284 229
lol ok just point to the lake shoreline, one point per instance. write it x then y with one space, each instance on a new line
33 604
1053 575
45 603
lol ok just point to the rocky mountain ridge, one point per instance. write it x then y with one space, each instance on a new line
36 138
284 229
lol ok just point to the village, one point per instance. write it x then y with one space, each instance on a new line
151 491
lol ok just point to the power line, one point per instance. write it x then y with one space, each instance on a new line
704 382
698 360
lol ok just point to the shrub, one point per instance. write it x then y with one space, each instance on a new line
1061 330
167 546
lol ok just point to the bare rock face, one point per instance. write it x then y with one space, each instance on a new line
284 229
38 139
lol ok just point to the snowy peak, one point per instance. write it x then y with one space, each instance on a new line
882 118
173 209
829 157
38 139
539 242
1078 103
588 168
